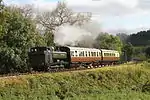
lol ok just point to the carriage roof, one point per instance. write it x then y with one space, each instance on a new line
90 49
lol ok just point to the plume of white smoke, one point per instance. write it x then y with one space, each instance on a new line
73 34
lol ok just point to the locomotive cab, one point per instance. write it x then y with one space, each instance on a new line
40 57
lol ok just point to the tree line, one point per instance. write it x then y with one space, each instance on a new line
139 41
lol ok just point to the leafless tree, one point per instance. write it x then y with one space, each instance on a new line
27 10
61 15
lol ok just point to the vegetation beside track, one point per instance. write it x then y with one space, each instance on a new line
123 82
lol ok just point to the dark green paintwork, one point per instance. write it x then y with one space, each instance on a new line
61 55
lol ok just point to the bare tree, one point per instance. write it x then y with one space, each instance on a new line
61 15
27 10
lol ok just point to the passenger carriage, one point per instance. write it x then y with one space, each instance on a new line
86 56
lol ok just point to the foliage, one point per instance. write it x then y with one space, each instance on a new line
147 52
49 38
128 81
106 41
1 15
139 41
128 51
141 38
17 35
11 61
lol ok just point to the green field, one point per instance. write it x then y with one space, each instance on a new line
125 82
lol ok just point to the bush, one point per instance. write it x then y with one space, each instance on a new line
122 83
10 61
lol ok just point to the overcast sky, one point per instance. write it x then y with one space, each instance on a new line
113 15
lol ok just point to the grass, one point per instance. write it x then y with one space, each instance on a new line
128 81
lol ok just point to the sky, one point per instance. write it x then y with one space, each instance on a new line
113 15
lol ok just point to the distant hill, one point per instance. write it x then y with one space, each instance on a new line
141 38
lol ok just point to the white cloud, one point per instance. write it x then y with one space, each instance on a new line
103 10
43 5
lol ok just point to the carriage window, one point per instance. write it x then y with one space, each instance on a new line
112 54
76 54
105 54
81 53
86 53
72 53
92 53
97 54
89 54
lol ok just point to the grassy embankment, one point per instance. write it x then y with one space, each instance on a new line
125 82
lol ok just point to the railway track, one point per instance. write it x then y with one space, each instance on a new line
41 72
54 71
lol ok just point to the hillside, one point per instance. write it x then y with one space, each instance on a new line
141 38
128 81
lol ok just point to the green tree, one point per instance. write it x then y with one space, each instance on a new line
18 35
49 38
106 41
141 38
10 61
147 52
128 51
1 16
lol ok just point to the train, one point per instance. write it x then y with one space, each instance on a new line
66 57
